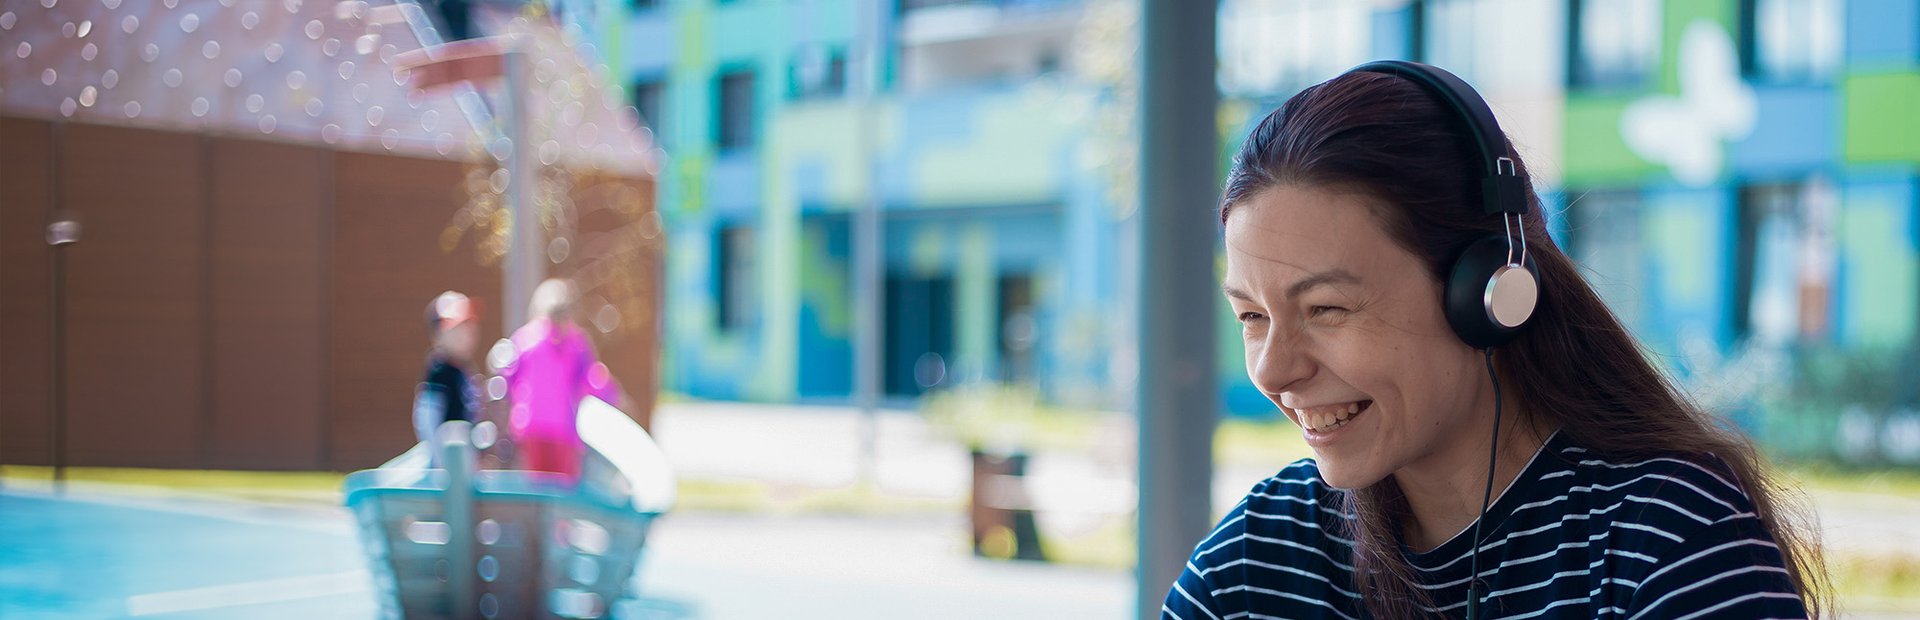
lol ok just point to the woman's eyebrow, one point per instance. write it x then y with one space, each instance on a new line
1331 276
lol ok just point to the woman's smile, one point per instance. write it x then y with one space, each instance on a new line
1322 423
1328 417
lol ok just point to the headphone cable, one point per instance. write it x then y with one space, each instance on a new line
1493 452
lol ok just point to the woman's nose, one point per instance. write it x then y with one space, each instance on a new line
1278 363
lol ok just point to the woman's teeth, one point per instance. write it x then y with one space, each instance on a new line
1322 419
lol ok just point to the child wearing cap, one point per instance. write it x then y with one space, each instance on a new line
447 393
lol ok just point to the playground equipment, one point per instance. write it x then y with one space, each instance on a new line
454 541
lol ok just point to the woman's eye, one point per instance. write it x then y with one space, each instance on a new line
1250 316
1320 310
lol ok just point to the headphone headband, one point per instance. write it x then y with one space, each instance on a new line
1491 290
1500 184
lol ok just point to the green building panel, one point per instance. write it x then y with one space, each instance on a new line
976 328
826 138
825 282
1675 17
1014 155
1596 152
689 89
1880 298
1881 123
777 376
1672 234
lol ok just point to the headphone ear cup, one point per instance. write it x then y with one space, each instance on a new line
1470 299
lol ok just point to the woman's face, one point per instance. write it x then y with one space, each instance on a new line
1344 331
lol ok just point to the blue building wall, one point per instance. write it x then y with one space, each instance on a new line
993 178
981 186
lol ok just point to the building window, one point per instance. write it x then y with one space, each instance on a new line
1789 41
733 128
649 97
1784 263
914 5
1447 35
1603 235
1478 41
1615 43
1453 35
818 72
919 327
735 304
1275 47
1019 328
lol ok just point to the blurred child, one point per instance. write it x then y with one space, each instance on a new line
553 369
448 393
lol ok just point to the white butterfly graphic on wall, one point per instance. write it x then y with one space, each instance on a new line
1686 132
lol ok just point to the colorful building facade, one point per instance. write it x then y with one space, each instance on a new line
1738 177
998 239
1735 174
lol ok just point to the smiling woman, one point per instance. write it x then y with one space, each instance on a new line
1383 244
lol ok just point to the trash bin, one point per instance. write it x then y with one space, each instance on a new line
1001 508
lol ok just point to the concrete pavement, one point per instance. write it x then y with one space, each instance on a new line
107 552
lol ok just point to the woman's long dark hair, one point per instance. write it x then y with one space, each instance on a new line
1390 139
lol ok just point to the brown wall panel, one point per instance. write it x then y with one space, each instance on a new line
26 193
387 263
616 260
136 327
269 206
253 305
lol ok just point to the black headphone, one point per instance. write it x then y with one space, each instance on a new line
1492 290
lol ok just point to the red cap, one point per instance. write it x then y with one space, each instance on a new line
451 308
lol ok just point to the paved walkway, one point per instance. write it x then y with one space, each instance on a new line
108 551
114 552
111 552
820 447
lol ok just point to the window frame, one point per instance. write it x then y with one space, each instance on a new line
656 120
728 140
1580 76
735 298
836 69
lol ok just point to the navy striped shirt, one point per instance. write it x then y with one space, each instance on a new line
1575 536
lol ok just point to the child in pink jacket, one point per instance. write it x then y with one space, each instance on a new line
553 369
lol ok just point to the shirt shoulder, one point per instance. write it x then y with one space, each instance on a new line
1689 491
1282 551
1692 540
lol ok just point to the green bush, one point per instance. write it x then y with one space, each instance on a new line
1007 419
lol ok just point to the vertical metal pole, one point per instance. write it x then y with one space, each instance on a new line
57 430
57 315
1178 396
526 261
457 457
868 309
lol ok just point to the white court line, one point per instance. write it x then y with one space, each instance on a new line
249 593
198 505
